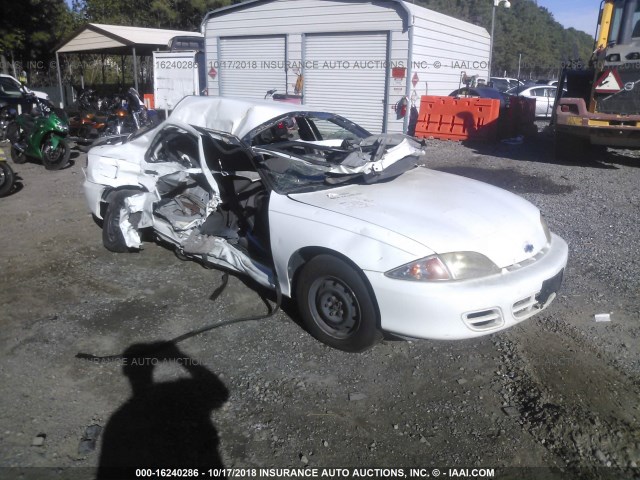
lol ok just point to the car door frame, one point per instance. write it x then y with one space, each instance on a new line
150 169
541 101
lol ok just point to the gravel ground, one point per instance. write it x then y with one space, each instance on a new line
559 391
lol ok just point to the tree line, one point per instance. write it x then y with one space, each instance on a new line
526 33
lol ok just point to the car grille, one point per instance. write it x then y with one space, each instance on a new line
516 266
483 319
625 102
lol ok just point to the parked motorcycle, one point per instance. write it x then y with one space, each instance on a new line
84 118
126 114
142 117
7 177
7 115
40 134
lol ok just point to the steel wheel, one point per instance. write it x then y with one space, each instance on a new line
336 304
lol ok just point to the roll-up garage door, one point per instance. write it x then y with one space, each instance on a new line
346 74
250 66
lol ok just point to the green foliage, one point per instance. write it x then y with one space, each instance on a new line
171 14
525 29
30 29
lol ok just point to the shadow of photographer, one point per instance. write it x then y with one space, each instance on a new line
163 424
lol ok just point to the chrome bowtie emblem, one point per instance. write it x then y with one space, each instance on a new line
528 248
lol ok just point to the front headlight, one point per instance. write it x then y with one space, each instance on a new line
446 266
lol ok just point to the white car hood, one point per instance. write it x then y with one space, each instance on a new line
444 212
124 150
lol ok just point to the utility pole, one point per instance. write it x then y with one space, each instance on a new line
496 3
519 62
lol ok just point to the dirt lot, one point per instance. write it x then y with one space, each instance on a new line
559 392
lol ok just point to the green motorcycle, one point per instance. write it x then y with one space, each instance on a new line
40 134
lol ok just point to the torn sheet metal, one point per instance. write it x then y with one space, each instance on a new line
142 203
402 150
219 252
129 232
136 214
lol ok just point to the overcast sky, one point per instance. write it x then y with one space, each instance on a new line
579 14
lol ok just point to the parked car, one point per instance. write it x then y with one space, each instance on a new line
544 95
482 92
500 84
14 98
347 223
504 83
11 89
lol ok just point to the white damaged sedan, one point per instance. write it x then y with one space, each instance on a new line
345 222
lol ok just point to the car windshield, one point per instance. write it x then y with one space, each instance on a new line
10 87
306 126
303 151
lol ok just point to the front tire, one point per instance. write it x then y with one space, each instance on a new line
112 237
7 178
336 304
55 158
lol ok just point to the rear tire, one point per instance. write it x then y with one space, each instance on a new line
14 135
336 304
112 237
55 158
7 178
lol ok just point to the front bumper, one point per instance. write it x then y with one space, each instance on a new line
471 308
613 130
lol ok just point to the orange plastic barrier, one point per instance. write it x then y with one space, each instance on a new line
452 118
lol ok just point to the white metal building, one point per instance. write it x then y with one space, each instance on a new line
357 58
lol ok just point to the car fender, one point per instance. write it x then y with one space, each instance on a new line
116 173
295 227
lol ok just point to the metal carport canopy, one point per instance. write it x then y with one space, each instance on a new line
117 40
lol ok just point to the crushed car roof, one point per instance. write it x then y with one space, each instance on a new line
230 115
